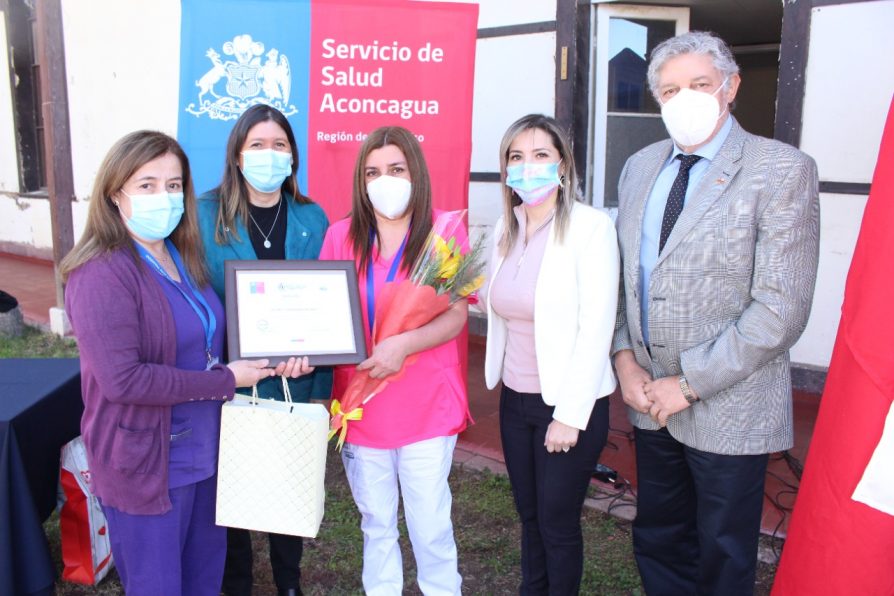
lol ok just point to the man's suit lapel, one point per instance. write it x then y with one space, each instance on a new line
713 183
653 165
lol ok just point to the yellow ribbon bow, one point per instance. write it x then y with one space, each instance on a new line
335 410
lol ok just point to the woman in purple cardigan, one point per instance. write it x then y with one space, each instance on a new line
150 332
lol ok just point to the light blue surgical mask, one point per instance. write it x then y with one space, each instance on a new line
533 182
153 217
266 169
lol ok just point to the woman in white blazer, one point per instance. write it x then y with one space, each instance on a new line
551 305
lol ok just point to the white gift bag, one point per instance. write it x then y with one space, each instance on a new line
86 549
272 465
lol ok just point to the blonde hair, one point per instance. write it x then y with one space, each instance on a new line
568 191
106 231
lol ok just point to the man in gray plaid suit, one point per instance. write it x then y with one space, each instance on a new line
719 236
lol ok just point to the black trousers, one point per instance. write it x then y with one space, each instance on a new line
698 517
285 559
549 490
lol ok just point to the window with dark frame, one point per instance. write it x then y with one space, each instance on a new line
22 38
633 118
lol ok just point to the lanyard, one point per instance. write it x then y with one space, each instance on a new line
205 314
370 281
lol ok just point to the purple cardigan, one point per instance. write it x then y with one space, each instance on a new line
128 346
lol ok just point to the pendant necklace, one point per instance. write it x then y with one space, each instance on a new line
260 231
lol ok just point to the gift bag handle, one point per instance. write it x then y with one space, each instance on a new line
287 393
254 395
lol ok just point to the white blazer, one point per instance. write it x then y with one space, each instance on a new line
575 305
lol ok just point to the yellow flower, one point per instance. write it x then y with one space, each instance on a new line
442 250
449 266
472 286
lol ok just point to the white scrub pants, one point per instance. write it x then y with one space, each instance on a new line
419 471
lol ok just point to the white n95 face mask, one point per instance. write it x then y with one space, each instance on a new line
389 195
690 116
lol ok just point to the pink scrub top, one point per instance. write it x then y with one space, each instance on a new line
428 399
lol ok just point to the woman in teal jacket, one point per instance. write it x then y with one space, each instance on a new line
258 212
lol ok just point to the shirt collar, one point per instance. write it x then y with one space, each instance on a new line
709 151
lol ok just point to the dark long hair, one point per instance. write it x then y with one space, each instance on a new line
233 192
106 231
363 218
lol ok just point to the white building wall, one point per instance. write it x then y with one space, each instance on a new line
502 13
840 217
122 60
514 76
849 83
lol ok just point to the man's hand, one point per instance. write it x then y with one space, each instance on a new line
633 379
666 397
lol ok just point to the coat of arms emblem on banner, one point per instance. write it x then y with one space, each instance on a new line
252 77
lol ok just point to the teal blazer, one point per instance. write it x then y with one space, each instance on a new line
305 228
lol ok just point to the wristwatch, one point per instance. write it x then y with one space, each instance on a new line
687 391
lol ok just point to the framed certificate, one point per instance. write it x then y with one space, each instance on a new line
278 309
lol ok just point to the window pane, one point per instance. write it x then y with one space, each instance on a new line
630 42
21 33
626 135
633 120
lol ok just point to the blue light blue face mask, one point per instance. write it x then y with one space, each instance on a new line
154 217
266 169
533 182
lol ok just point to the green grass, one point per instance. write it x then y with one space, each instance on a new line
33 343
487 536
485 525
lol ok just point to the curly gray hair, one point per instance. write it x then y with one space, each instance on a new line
694 42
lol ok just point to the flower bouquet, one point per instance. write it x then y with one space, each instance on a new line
446 271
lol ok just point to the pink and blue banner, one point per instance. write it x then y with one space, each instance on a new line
337 69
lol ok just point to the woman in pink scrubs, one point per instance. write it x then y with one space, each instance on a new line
404 444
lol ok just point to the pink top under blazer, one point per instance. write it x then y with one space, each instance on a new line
575 303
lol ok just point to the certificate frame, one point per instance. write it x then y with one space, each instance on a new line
245 343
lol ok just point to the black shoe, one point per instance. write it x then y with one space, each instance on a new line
290 592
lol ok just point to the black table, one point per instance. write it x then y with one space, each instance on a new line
40 411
